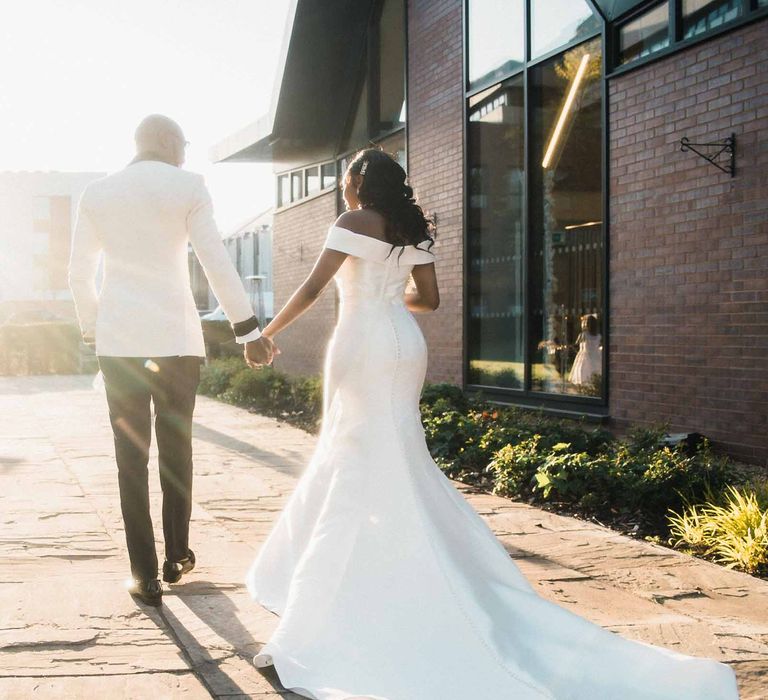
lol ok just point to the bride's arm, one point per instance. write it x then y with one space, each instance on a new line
306 295
427 295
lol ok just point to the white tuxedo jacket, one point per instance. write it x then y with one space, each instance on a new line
140 220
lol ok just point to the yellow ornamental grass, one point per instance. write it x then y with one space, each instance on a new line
692 528
734 534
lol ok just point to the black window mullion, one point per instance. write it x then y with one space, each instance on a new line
606 163
527 370
675 21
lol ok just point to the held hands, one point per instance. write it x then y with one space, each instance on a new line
260 352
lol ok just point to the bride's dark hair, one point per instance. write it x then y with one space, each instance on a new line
384 188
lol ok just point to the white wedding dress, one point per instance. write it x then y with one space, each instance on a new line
388 584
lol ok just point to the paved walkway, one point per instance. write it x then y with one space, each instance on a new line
68 629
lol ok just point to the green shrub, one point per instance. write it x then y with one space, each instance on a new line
216 376
453 438
306 403
464 442
297 400
263 390
449 396
40 348
515 466
672 477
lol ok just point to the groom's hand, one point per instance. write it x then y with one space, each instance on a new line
259 352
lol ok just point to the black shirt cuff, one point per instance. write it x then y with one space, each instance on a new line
245 327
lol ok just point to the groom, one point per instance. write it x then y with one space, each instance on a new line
147 331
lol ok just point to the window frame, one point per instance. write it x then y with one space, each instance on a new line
750 12
671 33
591 407
302 172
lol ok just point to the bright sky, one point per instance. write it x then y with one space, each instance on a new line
77 76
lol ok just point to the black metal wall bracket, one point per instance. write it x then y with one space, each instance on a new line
727 146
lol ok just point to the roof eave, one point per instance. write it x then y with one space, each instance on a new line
252 143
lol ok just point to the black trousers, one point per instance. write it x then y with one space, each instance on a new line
132 385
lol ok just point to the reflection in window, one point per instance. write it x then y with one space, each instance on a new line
566 231
495 235
555 23
700 16
496 39
312 180
283 190
392 66
645 35
328 175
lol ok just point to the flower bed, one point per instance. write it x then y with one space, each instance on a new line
696 500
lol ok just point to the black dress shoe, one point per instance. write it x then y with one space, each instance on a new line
174 570
149 592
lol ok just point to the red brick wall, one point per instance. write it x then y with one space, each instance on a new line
435 121
689 245
298 236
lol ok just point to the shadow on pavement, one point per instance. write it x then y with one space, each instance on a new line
247 449
212 606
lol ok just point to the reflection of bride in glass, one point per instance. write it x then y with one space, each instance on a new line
589 358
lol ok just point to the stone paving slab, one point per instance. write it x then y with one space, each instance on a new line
69 630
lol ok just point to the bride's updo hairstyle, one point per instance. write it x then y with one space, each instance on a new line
384 189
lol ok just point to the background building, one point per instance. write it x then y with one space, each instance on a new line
250 247
39 210
589 265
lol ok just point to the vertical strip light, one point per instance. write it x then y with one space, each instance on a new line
565 110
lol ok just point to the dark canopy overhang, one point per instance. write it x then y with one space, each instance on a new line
612 9
317 81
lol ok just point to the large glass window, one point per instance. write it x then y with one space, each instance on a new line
566 256
496 39
644 35
495 235
535 236
555 23
701 16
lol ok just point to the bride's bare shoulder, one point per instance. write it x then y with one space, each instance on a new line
366 222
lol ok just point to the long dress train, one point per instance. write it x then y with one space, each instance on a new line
388 584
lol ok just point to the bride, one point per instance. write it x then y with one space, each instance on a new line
387 583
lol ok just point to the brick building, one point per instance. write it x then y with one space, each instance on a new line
589 263
38 215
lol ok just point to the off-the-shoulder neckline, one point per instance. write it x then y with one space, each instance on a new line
378 240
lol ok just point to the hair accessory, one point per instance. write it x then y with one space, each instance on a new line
364 167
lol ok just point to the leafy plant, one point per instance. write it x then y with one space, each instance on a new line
216 376
297 400
514 467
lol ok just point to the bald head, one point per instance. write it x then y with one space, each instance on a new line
161 136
